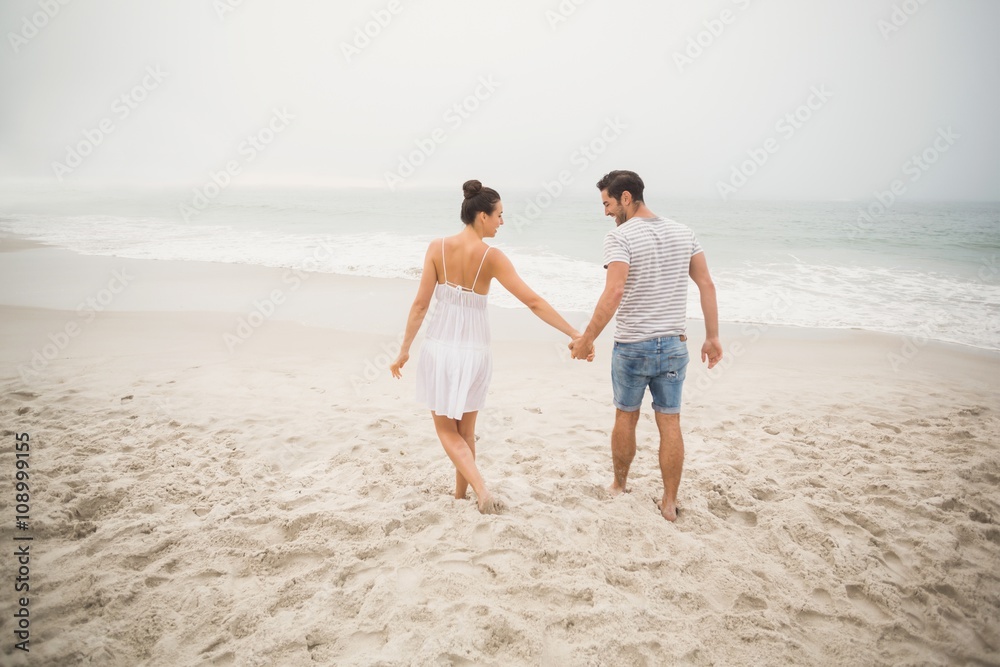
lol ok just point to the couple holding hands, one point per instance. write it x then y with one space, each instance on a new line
648 260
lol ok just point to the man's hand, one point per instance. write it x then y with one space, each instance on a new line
582 348
711 351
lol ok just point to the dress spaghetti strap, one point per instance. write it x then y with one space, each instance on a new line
443 265
476 279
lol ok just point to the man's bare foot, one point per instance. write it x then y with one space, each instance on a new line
668 510
490 504
615 490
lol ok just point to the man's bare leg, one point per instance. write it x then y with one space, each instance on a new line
671 462
465 462
466 429
622 448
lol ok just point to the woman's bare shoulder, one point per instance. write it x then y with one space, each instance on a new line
448 242
494 253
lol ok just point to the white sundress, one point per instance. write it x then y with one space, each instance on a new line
455 365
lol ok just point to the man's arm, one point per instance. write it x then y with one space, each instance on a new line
698 270
607 305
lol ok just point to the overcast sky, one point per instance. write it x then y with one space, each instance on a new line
515 93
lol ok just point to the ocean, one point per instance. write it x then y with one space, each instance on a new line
925 270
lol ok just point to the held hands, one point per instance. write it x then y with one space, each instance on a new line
398 364
711 351
581 347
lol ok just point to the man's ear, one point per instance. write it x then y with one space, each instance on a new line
626 198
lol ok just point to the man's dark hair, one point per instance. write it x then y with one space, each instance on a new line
618 181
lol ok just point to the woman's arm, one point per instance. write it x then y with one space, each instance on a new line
504 272
428 279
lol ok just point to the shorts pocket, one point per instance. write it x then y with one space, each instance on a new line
675 367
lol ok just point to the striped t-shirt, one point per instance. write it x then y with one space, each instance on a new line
658 252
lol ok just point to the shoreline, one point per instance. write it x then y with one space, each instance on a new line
172 286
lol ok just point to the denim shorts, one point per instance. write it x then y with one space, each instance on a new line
659 363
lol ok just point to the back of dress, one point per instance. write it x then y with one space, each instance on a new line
455 364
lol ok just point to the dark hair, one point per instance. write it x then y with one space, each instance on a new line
477 200
619 181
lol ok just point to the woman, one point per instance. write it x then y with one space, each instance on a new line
455 363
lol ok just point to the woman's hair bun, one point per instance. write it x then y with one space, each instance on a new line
472 188
477 200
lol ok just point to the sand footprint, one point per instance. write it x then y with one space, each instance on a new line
864 604
764 493
812 617
822 598
749 603
391 526
482 537
721 508
408 579
864 523
454 660
980 517
24 395
894 563
888 427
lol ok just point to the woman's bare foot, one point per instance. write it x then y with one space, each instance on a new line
615 490
489 504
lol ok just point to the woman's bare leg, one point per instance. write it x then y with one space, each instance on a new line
462 456
466 429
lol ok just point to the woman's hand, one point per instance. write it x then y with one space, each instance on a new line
575 342
398 364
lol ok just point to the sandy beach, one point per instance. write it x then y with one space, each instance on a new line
201 496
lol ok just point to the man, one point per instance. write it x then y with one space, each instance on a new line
648 261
